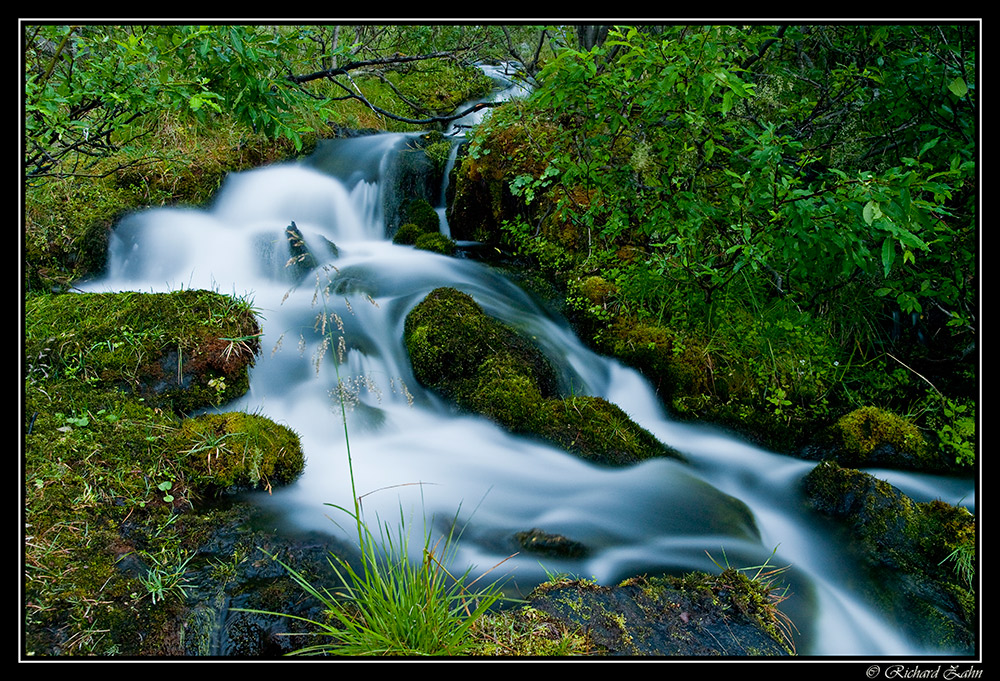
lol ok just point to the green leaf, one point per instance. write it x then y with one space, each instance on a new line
958 87
888 255
871 212
927 146
908 238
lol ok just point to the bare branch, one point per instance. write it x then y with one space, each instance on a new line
382 61
415 121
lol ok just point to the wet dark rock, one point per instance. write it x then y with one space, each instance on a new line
548 544
300 260
723 615
909 548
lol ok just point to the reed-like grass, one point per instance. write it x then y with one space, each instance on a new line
394 604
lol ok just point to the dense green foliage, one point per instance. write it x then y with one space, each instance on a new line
93 92
797 204
841 153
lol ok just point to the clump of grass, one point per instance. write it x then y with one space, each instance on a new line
759 594
395 605
963 560
166 578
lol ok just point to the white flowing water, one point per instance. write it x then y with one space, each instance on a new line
414 457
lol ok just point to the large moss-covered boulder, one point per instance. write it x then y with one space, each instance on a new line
450 340
921 553
486 367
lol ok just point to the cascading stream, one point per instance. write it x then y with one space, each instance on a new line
733 501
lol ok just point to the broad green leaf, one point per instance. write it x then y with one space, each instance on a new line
727 102
871 212
958 87
927 146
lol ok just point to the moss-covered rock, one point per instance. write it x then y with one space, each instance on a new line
486 367
437 243
422 229
236 451
181 350
421 213
549 544
407 234
449 339
909 547
870 436
698 615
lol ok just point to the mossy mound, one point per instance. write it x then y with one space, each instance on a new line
912 547
181 350
422 229
450 339
487 368
421 213
407 234
870 436
437 243
237 451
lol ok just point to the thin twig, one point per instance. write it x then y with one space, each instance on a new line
919 375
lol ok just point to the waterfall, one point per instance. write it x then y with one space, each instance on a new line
414 456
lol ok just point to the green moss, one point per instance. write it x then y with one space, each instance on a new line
407 234
437 243
597 430
421 228
113 474
505 393
487 368
870 435
234 451
183 350
68 220
422 214
449 338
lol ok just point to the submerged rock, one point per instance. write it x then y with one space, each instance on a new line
548 544
486 367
